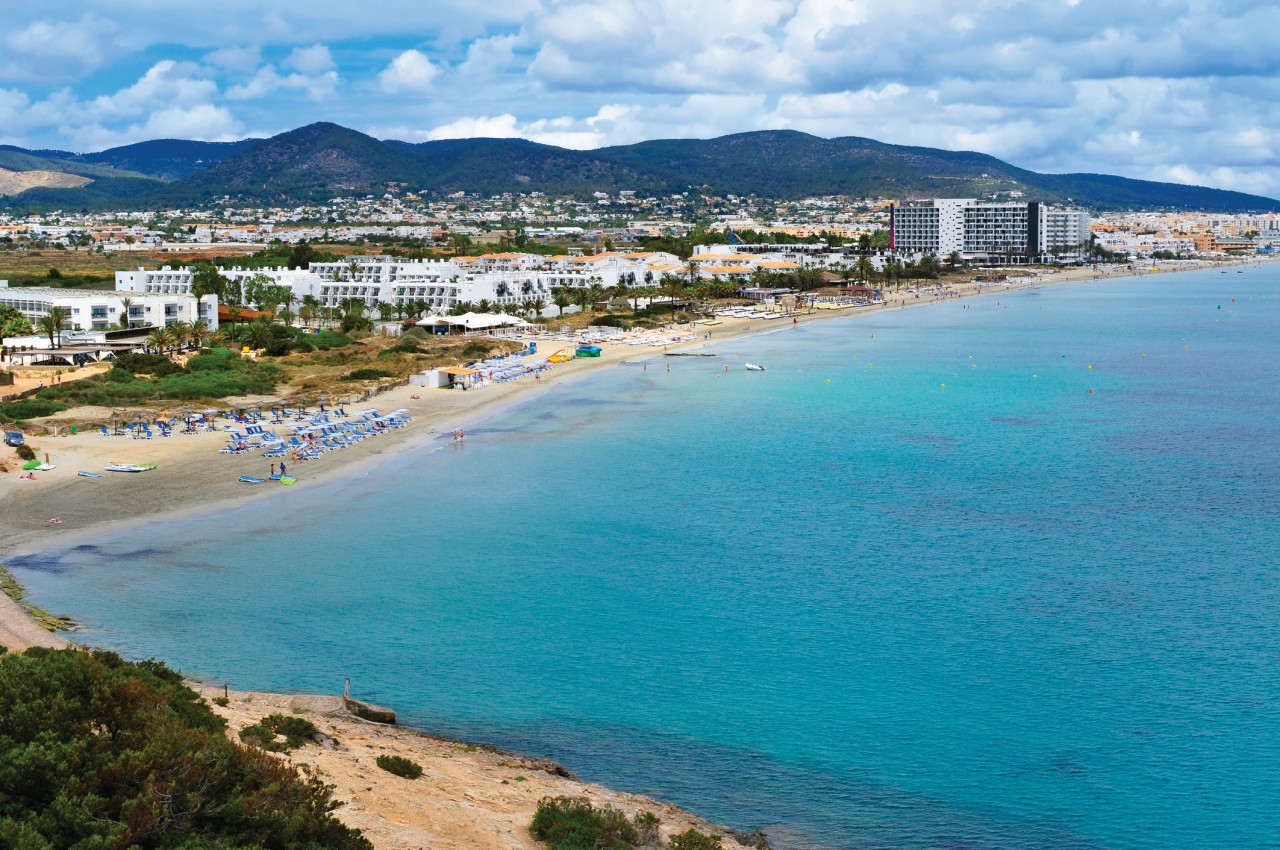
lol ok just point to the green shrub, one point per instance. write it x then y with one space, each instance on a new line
29 408
400 766
415 333
25 452
408 347
268 731
221 701
366 375
278 348
611 322
302 344
354 324
119 376
99 752
146 364
693 840
572 823
326 340
213 360
476 350
647 824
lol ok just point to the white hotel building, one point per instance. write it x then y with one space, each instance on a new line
977 229
90 310
498 278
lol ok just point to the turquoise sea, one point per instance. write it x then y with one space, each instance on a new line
999 573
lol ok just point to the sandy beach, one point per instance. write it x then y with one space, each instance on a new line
468 797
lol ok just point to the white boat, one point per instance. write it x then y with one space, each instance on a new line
129 467
88 474
752 367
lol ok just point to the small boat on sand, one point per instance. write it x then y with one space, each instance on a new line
88 474
753 367
129 467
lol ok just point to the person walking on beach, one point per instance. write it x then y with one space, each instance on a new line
273 470
282 472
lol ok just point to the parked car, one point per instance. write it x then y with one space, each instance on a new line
13 438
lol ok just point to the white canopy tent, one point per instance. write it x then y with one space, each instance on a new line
473 321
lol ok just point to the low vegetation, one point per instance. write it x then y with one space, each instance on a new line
280 733
99 752
400 766
573 823
366 375
214 374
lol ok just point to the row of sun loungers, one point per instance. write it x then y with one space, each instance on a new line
316 435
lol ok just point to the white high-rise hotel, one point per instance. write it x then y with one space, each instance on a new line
974 228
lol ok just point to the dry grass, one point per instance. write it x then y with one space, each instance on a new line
324 372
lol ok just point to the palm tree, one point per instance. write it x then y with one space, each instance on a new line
260 336
306 314
484 305
311 304
199 333
582 297
125 304
181 333
159 339
673 287
561 297
595 292
53 323
864 269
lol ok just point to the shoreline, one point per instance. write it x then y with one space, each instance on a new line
212 483
216 488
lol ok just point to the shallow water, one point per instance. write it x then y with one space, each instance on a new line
915 586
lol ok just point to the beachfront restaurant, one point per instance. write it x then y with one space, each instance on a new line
469 322
446 378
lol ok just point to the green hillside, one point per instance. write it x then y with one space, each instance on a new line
322 161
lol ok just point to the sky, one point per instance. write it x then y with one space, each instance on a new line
1176 90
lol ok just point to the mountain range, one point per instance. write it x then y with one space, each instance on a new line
322 161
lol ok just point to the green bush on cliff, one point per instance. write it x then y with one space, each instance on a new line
99 752
572 823
691 839
400 766
268 731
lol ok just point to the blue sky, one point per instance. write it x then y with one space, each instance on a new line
1180 90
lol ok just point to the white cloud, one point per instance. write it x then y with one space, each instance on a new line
242 59
204 122
268 80
310 61
44 50
409 73
166 83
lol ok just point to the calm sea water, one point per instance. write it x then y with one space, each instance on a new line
992 574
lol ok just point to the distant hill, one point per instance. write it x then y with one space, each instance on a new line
322 161
169 159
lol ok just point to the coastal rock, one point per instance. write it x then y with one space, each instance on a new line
755 838
370 712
